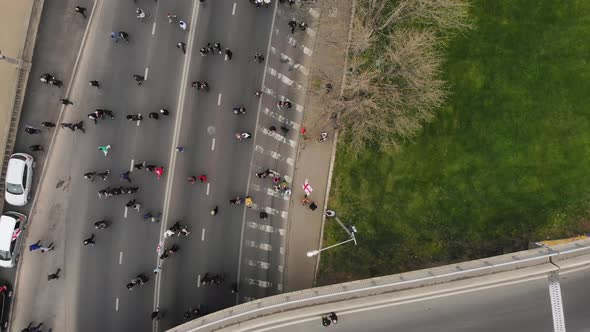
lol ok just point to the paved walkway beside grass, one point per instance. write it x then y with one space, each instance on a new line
314 159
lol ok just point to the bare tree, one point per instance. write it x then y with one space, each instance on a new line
388 103
450 15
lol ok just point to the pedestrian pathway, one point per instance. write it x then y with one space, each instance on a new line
314 161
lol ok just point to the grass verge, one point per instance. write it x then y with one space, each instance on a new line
505 163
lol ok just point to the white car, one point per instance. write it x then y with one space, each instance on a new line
12 225
19 178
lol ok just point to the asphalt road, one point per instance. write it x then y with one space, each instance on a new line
95 297
521 306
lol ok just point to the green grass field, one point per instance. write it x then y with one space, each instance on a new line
506 162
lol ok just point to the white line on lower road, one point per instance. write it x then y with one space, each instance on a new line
154 29
233 11
208 184
145 74
120 257
556 302
213 144
125 214
203 235
117 304
131 166
219 100
199 280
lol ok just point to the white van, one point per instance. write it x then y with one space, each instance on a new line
12 225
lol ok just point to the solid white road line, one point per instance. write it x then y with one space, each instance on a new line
145 74
120 257
125 214
117 304
203 235
219 100
154 29
213 144
131 166
233 12
199 280
208 184
556 302
177 127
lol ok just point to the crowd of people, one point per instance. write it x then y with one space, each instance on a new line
100 114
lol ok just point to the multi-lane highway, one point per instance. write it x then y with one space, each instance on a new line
91 294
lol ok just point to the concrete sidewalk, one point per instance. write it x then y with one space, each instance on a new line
314 159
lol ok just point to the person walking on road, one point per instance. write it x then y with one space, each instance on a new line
65 101
125 177
156 314
292 24
217 46
104 149
53 275
67 125
80 10
89 241
138 78
95 84
159 172
104 175
184 230
89 176
182 47
93 117
35 148
32 130
79 126
46 249
259 57
35 246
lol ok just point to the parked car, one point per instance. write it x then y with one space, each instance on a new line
19 178
12 225
5 298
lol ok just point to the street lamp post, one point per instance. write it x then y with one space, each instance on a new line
312 253
349 230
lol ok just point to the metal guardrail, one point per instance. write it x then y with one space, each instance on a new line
380 285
